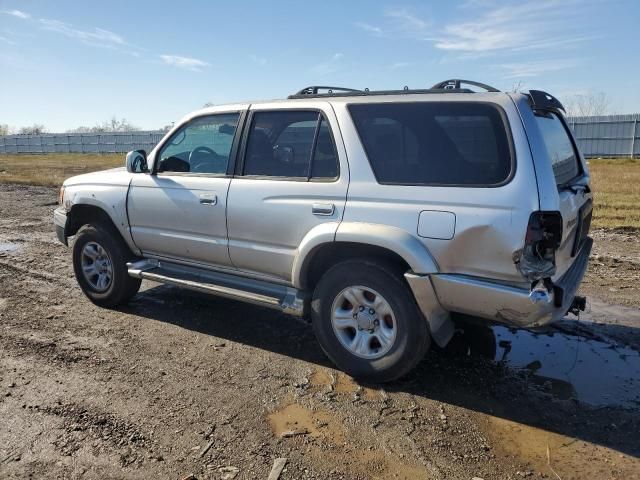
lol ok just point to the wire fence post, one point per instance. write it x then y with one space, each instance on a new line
634 134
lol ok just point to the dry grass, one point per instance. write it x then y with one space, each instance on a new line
53 169
616 186
616 183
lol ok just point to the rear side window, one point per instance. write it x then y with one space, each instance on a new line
290 144
435 143
564 159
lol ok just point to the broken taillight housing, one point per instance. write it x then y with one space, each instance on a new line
537 259
545 230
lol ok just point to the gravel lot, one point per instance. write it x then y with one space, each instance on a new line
180 384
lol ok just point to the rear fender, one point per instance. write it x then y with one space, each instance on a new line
412 250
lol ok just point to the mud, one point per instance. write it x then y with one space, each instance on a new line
142 391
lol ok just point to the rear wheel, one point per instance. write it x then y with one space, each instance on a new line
367 321
99 262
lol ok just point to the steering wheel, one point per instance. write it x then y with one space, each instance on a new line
197 164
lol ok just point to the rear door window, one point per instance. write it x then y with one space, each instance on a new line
435 143
564 159
290 144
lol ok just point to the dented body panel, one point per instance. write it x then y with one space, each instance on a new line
475 250
106 190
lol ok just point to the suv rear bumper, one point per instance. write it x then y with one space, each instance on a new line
508 304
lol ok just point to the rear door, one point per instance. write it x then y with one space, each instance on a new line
293 178
570 178
179 210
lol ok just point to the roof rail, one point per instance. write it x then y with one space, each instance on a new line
455 84
313 90
448 86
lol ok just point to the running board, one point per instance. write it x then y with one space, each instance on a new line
288 300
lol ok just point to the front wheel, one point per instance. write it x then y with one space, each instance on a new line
367 321
100 259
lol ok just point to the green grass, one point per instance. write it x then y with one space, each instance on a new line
616 182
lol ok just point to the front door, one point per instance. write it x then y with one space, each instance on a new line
293 178
179 210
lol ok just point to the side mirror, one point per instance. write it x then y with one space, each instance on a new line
136 161
283 154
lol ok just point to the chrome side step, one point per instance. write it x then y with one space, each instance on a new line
280 297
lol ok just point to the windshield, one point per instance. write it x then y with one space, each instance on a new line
564 158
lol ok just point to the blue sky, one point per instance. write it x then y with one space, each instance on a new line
66 64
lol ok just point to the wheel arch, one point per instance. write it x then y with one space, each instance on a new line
83 214
348 240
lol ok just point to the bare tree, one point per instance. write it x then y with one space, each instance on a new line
518 87
112 125
35 129
5 129
587 105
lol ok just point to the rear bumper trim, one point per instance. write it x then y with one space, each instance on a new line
510 304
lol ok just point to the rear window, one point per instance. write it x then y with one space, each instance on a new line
434 143
556 138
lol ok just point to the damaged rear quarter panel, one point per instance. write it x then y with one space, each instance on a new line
490 222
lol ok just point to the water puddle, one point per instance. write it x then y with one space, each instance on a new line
572 367
6 247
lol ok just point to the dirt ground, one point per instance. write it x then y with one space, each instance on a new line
179 384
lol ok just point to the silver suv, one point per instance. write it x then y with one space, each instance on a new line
384 215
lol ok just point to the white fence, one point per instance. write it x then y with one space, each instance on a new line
606 136
119 142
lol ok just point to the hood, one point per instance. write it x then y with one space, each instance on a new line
113 176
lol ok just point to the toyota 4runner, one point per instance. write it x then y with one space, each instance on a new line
384 215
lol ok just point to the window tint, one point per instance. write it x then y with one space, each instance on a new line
563 156
325 158
284 143
201 146
436 143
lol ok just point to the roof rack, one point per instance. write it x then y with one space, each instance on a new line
314 90
455 84
448 86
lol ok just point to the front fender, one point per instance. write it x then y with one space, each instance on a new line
111 199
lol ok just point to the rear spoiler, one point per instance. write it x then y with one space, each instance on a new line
540 100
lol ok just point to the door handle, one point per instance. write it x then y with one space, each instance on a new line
208 199
325 209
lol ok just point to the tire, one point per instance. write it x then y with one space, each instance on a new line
112 255
374 359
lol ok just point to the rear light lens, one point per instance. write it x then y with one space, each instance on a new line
544 231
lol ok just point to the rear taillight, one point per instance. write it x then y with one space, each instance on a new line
544 231
537 260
